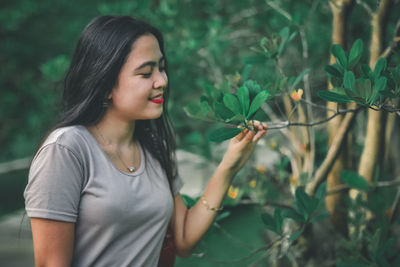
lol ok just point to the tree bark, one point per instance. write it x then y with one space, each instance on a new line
373 152
335 202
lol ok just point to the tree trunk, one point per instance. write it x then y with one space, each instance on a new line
374 146
335 202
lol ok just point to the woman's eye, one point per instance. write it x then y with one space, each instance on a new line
146 75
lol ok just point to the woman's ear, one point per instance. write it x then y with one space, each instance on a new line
109 97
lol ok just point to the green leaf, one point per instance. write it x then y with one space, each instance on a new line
237 119
269 221
380 66
246 71
298 78
222 134
188 201
320 217
302 201
292 214
278 220
260 98
250 60
336 82
340 55
254 88
333 97
354 180
321 192
231 102
244 99
380 84
223 215
295 235
355 97
355 53
222 112
348 80
362 88
198 110
366 71
330 69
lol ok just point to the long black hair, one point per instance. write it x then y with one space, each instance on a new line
102 50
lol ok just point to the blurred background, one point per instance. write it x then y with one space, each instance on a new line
209 44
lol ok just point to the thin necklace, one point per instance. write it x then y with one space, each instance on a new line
129 168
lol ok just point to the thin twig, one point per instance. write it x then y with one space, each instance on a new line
231 237
267 203
285 124
254 252
366 7
395 44
280 10
316 105
344 187
15 165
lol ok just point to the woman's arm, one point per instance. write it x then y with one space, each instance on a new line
190 225
53 242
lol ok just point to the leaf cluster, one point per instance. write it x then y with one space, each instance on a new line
222 106
355 82
305 212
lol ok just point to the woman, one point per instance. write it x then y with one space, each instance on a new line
103 186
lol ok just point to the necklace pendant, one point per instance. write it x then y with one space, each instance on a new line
131 169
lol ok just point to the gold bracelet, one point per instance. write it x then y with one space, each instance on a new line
205 203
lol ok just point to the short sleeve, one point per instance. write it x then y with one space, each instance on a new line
55 184
177 185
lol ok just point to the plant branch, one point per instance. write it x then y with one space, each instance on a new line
254 252
286 124
395 44
15 165
279 10
366 7
344 187
267 203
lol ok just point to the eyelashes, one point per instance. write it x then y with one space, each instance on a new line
148 75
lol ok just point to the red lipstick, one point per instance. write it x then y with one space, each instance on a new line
158 101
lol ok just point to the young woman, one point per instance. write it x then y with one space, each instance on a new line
103 186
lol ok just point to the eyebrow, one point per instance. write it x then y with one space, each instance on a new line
149 63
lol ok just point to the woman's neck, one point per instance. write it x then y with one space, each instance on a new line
115 131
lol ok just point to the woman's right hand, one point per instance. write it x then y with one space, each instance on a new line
241 147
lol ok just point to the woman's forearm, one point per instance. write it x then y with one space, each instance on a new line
200 217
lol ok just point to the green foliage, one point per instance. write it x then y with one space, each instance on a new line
305 212
354 180
221 134
236 109
372 88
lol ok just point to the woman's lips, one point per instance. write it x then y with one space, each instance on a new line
158 100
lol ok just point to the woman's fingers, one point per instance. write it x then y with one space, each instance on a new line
258 135
249 136
242 134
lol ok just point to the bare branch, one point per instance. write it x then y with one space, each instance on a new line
395 44
344 187
243 15
285 124
279 10
15 165
366 7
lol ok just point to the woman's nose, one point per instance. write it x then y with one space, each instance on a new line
161 80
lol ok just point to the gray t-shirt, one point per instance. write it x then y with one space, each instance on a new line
120 218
